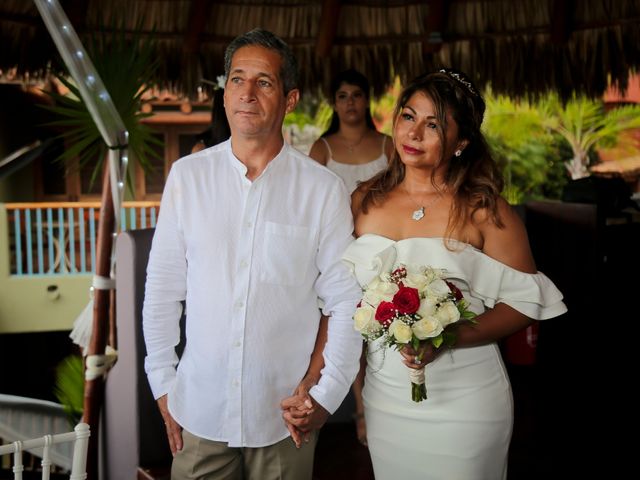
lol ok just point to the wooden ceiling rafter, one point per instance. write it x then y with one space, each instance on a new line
198 14
562 21
328 27
434 26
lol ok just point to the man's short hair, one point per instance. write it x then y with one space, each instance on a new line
288 71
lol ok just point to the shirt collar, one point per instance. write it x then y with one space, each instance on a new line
242 168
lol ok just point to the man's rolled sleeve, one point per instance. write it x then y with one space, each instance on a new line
340 292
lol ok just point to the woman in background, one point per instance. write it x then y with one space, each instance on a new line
352 147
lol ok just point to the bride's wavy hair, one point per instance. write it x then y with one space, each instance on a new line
473 178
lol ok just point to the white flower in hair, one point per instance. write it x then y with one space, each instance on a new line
220 82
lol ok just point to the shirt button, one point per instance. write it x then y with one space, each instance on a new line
248 224
237 344
236 383
239 304
243 263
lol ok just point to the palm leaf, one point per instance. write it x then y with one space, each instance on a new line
127 68
69 386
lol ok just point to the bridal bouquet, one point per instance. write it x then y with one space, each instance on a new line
408 307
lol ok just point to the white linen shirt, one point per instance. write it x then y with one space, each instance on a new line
251 259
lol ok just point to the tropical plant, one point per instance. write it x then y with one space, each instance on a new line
127 69
382 108
585 124
69 386
528 154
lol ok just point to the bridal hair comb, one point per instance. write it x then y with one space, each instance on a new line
462 80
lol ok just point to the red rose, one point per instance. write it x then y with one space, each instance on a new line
385 313
455 290
407 300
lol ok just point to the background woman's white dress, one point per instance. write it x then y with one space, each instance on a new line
354 173
463 429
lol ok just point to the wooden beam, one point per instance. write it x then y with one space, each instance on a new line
434 26
198 15
224 40
561 21
328 27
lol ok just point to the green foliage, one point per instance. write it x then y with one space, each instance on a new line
449 338
537 144
437 341
527 153
69 386
382 108
127 69
316 113
585 124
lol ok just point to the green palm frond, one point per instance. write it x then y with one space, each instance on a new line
69 386
582 123
127 68
525 150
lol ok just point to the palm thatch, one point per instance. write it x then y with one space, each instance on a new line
520 47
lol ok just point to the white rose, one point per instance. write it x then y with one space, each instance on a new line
362 317
364 320
428 327
401 331
438 288
378 291
427 307
417 281
448 313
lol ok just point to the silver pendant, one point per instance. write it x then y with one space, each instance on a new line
418 214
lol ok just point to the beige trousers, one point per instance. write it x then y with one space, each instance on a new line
203 459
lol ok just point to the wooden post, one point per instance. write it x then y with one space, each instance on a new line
94 389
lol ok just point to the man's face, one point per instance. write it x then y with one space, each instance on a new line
253 96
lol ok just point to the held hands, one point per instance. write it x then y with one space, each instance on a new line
301 413
361 428
174 431
416 360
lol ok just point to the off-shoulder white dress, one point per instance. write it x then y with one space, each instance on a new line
463 429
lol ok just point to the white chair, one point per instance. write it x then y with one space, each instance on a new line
80 436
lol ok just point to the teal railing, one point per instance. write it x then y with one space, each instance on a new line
60 238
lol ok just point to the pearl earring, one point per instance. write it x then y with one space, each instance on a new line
458 153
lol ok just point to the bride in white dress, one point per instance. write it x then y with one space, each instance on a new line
438 204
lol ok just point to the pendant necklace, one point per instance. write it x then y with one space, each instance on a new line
418 214
351 147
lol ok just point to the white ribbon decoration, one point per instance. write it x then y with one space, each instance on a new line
103 283
417 376
98 365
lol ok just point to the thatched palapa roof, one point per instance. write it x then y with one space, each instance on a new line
518 46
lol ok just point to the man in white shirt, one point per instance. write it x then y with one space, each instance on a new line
250 234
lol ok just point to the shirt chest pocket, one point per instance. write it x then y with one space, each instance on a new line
288 254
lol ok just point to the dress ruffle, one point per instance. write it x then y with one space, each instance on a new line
532 294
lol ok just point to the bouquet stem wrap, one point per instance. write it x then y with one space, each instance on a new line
418 384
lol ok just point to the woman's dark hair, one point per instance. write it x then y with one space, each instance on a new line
219 130
473 178
350 77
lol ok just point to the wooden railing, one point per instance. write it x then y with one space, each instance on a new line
60 238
